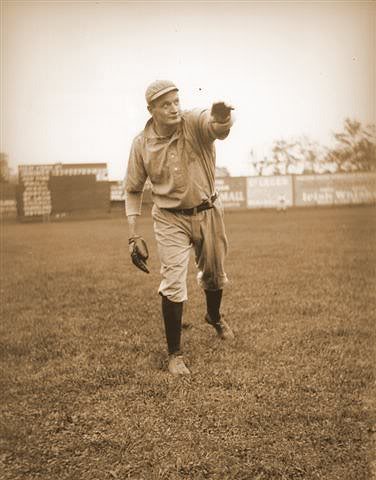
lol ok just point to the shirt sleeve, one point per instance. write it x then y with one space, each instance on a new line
135 179
133 202
205 127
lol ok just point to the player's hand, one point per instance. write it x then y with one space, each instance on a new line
221 112
139 252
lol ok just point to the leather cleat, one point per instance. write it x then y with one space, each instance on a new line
176 365
222 328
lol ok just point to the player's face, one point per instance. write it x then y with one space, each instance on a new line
166 109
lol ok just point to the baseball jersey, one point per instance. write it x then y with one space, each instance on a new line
181 167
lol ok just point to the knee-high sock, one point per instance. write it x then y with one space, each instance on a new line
172 316
213 303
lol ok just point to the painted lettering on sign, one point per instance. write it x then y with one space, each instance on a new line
335 189
318 196
269 192
268 181
232 191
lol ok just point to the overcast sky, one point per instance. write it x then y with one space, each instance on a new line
74 73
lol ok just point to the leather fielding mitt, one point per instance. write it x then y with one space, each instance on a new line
139 252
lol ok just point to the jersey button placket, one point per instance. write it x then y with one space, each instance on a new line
173 159
175 168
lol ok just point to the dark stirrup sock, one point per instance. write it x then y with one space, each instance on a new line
172 316
213 304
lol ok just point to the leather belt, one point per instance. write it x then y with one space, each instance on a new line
192 211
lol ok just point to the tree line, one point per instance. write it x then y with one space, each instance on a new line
354 151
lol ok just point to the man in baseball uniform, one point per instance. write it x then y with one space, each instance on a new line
176 152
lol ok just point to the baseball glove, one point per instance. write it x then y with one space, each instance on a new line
139 252
220 111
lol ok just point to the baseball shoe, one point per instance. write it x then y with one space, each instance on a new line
176 365
222 328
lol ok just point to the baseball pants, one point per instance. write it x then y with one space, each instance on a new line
176 234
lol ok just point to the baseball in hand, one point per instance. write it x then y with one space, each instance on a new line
220 111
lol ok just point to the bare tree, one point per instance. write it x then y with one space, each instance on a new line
356 147
299 155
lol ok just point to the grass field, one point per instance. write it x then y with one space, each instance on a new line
84 390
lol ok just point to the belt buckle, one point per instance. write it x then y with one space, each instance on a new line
211 200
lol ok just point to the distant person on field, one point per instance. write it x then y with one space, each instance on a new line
176 152
281 203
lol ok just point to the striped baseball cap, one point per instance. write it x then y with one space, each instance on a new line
159 88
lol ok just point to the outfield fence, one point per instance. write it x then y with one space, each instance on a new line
285 190
297 190
59 191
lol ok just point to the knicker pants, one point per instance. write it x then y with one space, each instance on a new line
176 234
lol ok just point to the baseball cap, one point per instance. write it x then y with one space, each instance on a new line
159 88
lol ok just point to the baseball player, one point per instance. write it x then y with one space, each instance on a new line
176 152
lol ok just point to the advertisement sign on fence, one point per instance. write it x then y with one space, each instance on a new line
232 191
117 191
335 189
265 192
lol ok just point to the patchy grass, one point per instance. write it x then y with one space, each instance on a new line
84 390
